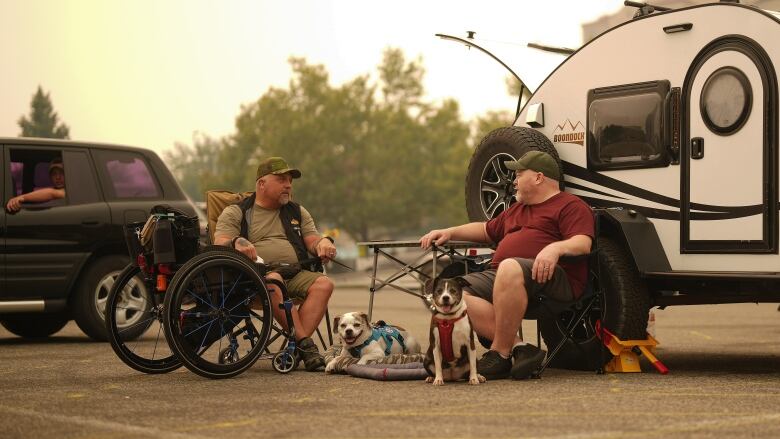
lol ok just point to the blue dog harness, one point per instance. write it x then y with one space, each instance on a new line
387 332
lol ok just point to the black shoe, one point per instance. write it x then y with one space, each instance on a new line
493 366
527 359
312 360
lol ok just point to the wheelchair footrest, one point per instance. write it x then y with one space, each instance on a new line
626 353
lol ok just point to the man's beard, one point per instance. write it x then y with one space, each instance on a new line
284 199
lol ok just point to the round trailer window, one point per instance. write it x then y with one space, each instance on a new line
726 101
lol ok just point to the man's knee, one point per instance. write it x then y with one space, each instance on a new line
510 270
323 286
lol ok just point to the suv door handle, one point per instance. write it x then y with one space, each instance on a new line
90 222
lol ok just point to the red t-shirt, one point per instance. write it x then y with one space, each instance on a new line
522 231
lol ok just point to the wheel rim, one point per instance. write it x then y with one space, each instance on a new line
496 191
212 308
134 300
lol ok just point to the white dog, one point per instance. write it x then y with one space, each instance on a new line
452 353
361 340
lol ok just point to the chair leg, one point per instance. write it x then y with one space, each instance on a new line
568 335
330 333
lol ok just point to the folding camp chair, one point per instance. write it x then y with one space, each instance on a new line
573 315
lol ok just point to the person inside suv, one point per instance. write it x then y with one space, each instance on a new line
56 192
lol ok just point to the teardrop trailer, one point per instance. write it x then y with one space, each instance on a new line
667 125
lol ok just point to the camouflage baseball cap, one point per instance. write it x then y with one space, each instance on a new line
276 166
536 161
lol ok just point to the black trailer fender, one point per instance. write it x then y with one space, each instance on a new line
638 235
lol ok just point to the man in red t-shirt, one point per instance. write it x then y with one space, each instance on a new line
532 235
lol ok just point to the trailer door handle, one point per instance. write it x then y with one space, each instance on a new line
697 148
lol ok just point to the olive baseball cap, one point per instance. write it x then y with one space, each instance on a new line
276 166
536 161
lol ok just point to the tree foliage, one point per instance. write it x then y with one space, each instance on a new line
376 158
43 120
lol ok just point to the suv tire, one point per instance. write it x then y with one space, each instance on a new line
89 303
623 309
35 325
489 184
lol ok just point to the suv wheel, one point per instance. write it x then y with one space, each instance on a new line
89 302
34 325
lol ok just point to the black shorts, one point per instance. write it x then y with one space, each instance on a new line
557 288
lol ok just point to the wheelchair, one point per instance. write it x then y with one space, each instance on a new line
207 308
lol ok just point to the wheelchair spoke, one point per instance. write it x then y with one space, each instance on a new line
235 284
137 324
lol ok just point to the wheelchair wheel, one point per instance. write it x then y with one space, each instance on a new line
134 324
217 314
284 362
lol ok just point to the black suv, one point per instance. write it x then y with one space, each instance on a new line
59 259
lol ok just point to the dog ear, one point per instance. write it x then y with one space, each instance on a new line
336 323
430 285
364 317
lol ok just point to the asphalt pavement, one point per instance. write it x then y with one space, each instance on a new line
724 382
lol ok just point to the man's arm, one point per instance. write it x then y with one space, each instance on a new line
547 259
39 196
474 232
320 246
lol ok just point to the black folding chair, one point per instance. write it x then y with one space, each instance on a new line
571 316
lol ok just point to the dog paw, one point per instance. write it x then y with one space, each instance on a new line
331 367
475 381
438 382
481 378
429 380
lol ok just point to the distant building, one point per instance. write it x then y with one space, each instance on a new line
595 28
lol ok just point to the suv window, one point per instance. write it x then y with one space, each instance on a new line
626 126
29 169
127 175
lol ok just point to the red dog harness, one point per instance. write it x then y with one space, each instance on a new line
445 327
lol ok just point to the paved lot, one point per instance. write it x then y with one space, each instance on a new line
724 382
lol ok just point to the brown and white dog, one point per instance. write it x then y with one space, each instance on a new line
359 339
452 353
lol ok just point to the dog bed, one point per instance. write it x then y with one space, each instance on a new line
388 372
395 367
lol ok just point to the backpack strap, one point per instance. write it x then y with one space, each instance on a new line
291 218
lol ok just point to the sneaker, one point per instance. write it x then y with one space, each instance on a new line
527 359
312 360
493 366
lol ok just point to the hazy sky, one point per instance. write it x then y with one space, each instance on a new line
151 73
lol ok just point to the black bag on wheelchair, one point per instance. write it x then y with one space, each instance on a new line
170 235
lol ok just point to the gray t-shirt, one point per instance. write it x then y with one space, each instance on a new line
265 231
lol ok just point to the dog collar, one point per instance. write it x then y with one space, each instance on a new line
446 327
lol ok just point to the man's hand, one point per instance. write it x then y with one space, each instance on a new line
438 237
325 250
244 246
14 204
545 263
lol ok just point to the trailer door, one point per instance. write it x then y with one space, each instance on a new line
729 152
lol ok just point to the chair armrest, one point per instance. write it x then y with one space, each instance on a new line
576 258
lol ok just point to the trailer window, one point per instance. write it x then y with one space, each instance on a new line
625 126
726 101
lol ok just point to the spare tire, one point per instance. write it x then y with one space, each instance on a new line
489 189
622 308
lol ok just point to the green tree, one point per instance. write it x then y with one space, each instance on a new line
376 158
194 166
43 120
